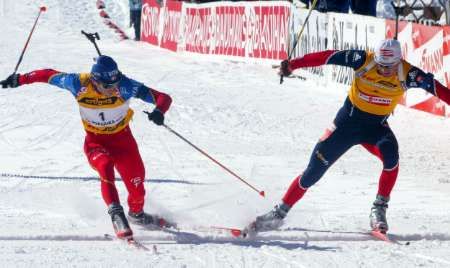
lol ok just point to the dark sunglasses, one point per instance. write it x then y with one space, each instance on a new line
109 86
387 66
106 85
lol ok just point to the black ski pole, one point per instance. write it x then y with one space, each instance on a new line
41 9
397 10
299 35
92 37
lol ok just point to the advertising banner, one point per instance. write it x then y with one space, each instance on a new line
150 22
171 22
313 39
446 61
446 55
423 47
252 29
229 38
268 31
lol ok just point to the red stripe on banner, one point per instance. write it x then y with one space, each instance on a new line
432 105
446 45
446 54
390 27
422 34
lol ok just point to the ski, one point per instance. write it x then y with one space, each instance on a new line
249 232
235 232
130 241
383 236
136 244
214 229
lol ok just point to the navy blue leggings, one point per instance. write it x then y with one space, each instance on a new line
353 127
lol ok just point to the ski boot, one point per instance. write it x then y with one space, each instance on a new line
119 221
149 221
377 216
269 221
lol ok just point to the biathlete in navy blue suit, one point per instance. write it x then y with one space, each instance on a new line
381 78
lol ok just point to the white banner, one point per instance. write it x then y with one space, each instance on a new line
352 32
313 39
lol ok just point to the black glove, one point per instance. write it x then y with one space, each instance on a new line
156 116
285 70
11 81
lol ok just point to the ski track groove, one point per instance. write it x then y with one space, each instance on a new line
191 235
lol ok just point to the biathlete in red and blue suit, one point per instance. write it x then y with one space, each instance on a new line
103 97
381 78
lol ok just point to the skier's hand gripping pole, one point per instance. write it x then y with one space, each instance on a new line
92 37
156 117
41 9
299 35
11 82
261 193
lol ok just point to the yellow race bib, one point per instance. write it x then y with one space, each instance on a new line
374 93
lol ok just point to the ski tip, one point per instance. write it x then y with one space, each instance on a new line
43 8
382 235
262 193
236 232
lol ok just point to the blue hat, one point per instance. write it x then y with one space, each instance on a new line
105 70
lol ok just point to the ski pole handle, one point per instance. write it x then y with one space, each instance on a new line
299 35
92 37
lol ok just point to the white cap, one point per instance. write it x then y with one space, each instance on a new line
388 52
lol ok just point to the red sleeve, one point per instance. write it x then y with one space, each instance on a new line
442 92
162 100
42 76
311 60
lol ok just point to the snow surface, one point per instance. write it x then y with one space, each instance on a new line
239 114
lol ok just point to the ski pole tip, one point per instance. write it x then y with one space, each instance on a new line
43 8
262 193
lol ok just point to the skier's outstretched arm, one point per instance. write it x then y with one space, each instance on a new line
67 81
418 78
442 92
349 58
